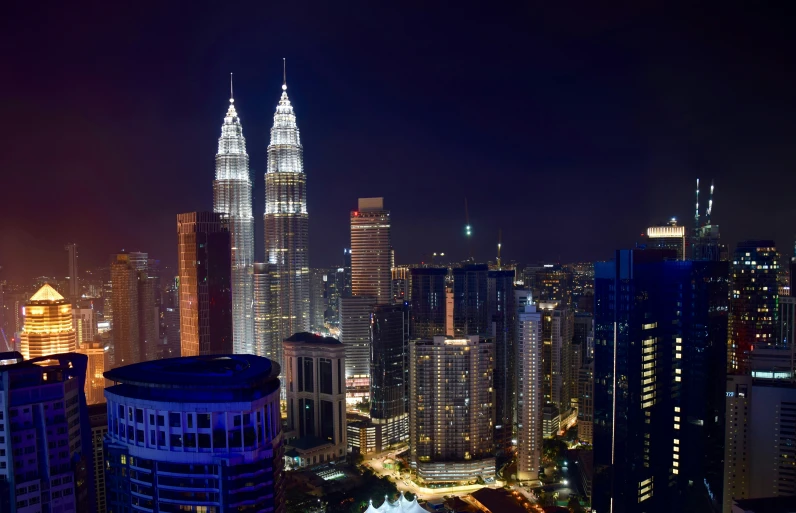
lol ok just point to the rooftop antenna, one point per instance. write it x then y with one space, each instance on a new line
468 231
696 216
500 239
284 74
231 96
710 203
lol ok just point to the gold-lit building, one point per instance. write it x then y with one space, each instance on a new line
48 325
95 381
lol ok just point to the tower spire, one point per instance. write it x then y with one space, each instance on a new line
696 217
284 74
231 96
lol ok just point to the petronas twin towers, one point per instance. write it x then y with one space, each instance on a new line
274 306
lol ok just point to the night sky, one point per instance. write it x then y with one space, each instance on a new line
569 128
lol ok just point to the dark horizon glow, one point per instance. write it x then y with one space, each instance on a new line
570 130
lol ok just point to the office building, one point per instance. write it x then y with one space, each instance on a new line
286 221
389 374
355 314
707 244
98 422
74 281
400 284
583 334
550 421
470 312
171 318
371 245
206 323
148 315
48 325
586 402
315 387
786 329
232 200
134 325
84 322
427 302
199 433
669 236
317 281
553 284
452 409
502 317
45 439
529 387
660 332
266 326
753 301
94 387
760 456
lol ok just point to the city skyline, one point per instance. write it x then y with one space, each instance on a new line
567 118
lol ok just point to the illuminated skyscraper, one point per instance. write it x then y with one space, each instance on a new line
669 236
85 323
529 387
205 298
95 381
371 269
48 325
753 301
451 409
286 222
232 198
266 339
389 374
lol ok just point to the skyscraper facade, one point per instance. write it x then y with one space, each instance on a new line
669 236
199 433
371 266
659 345
124 300
266 342
470 312
529 387
48 325
206 323
95 368
427 302
355 312
232 199
286 221
45 439
84 322
98 420
502 313
452 409
317 281
753 301
389 374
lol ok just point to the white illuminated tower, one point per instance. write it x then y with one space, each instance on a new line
286 223
232 197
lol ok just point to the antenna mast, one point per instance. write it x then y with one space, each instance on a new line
696 216
500 240
710 203
468 231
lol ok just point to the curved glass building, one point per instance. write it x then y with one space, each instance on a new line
198 433
286 223
232 197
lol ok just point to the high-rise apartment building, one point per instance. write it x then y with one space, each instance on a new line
315 386
48 325
760 422
553 283
265 323
45 439
206 322
355 312
753 301
200 433
451 409
74 281
232 199
389 374
586 402
669 236
529 387
95 368
502 313
371 244
125 328
427 302
660 332
470 312
98 421
286 221
557 329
